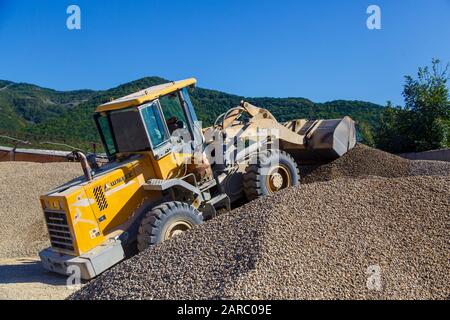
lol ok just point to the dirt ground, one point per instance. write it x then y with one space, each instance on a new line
25 279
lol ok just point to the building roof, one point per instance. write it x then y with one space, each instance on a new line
146 95
37 151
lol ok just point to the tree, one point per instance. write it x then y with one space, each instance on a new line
365 133
424 122
427 97
393 133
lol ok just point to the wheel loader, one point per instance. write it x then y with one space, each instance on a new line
166 174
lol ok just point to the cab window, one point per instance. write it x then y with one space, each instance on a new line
174 113
106 134
154 124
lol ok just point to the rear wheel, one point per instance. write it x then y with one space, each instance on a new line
166 221
272 171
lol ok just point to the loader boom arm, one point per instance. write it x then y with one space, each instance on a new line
309 140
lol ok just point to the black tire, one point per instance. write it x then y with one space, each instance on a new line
155 225
256 175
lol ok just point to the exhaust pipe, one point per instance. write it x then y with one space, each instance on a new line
84 164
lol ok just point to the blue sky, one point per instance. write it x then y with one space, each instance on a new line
321 50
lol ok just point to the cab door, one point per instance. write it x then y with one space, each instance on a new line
177 153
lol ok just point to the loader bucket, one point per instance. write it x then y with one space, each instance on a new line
329 140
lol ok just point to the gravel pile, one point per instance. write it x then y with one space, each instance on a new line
22 228
363 161
429 168
373 238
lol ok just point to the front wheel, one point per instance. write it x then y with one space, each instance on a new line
166 221
270 172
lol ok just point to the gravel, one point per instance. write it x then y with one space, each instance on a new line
363 161
367 211
429 168
316 241
22 228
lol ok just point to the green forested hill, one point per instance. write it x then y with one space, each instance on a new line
25 105
31 112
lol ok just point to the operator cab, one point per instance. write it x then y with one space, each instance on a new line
156 119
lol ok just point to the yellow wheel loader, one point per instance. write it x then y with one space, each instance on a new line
166 174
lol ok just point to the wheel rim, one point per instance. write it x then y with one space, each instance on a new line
278 178
177 228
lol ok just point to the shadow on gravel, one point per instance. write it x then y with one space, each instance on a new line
28 271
